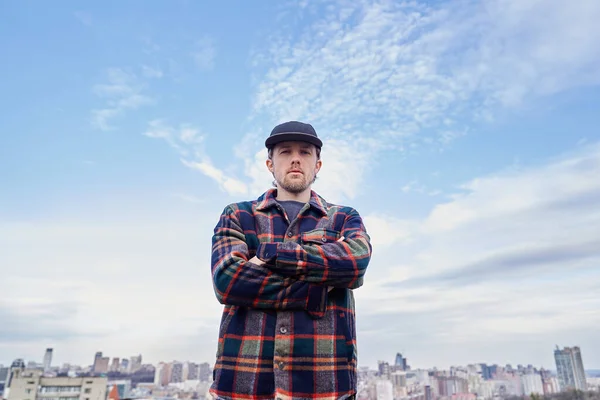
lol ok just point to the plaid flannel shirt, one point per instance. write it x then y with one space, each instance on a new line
282 334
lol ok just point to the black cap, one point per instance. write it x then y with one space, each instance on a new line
293 131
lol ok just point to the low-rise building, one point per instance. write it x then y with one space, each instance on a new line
33 385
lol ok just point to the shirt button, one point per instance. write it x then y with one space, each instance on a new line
281 364
324 239
283 329
290 234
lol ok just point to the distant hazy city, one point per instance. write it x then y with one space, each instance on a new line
129 378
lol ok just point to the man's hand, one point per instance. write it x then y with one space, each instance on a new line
256 260
330 288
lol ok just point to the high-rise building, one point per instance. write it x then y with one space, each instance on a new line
204 372
569 368
97 358
384 369
532 384
114 366
161 374
100 364
400 362
124 365
136 363
176 372
190 371
48 360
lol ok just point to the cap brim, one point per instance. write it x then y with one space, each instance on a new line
292 137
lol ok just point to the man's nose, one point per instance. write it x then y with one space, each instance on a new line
296 157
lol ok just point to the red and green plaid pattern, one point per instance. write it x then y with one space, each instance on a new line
282 334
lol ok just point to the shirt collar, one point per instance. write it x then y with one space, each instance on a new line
267 200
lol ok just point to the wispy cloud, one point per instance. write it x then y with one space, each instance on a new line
513 254
123 91
188 141
408 74
379 75
227 183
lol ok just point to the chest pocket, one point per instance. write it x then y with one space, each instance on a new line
320 236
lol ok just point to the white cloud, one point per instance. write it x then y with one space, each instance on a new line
188 141
379 75
344 166
512 255
511 273
386 231
122 92
515 255
228 184
71 289
406 74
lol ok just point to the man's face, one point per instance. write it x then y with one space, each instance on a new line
294 166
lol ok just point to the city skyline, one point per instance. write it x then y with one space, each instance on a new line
393 359
465 135
396 380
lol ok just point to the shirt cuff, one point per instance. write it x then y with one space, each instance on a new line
267 252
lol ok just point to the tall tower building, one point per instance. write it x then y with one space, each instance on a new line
569 368
124 365
48 360
114 366
136 363
162 374
176 372
97 358
400 362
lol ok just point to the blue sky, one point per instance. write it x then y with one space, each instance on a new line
466 135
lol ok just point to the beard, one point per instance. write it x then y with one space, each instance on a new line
295 186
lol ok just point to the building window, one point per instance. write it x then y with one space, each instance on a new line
87 390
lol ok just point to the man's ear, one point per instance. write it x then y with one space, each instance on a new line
318 166
269 164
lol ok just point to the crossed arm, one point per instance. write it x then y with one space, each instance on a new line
287 275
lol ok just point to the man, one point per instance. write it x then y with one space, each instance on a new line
284 266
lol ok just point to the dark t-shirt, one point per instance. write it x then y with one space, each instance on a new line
292 208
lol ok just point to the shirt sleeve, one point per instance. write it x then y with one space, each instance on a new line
321 257
236 281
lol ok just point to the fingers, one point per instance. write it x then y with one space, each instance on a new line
256 260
